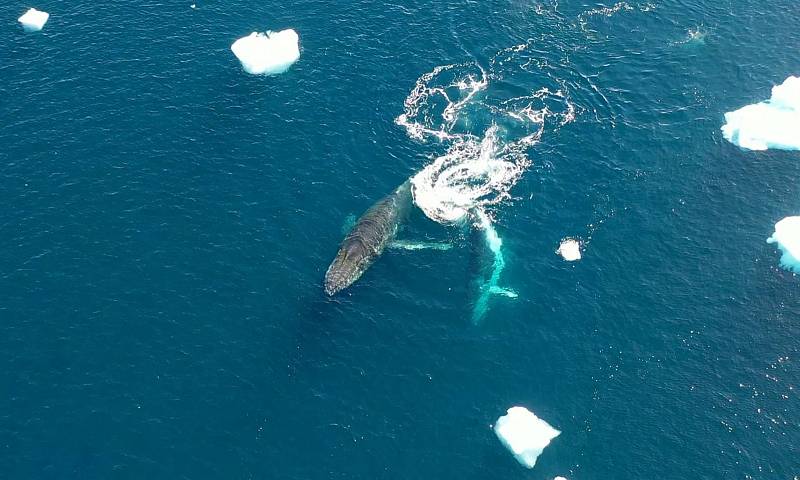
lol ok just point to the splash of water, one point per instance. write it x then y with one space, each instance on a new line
470 176
488 138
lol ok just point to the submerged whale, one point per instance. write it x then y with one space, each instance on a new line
368 239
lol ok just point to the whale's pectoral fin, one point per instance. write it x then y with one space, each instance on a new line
503 291
407 245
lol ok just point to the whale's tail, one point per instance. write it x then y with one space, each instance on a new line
490 286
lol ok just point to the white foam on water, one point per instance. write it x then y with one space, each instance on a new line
488 138
604 11
268 53
774 123
33 20
583 18
469 177
696 35
524 434
787 236
454 94
570 249
609 11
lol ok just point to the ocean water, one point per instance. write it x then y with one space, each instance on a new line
168 220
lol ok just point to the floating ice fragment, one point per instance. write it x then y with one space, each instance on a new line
267 53
560 478
524 434
33 20
570 249
194 5
774 123
787 236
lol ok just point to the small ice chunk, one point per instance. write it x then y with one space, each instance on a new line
33 20
560 478
267 53
194 5
524 434
570 249
787 236
774 123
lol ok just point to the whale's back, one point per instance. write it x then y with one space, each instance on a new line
368 239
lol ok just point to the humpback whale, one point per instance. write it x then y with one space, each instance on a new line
368 238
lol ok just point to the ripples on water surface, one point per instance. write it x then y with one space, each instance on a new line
168 220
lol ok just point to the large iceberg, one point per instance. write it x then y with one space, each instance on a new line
267 53
787 236
524 434
33 20
774 123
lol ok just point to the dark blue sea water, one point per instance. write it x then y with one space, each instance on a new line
167 221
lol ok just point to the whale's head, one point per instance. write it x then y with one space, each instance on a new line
352 260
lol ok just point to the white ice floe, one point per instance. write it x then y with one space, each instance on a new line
570 249
774 123
524 434
33 20
267 53
787 236
560 478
